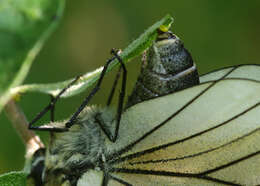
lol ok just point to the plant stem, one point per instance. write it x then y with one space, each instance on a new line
20 124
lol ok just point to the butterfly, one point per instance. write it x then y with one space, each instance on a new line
204 135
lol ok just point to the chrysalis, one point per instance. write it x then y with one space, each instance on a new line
167 68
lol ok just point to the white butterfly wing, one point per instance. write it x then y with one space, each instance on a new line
241 71
153 180
208 134
91 178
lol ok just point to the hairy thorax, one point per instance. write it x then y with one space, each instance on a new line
72 153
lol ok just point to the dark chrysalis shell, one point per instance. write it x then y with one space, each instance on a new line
167 67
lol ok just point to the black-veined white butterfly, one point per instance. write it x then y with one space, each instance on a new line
204 135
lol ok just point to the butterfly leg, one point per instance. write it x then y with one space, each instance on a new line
88 98
51 107
121 96
114 86
99 120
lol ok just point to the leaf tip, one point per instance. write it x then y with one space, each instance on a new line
168 20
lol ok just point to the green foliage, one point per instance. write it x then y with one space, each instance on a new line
15 67
24 27
133 50
13 178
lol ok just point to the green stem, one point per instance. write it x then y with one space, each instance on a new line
20 124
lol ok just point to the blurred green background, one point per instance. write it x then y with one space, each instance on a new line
217 33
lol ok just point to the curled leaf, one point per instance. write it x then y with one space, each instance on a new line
133 50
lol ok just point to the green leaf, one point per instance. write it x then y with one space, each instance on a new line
136 48
13 178
24 27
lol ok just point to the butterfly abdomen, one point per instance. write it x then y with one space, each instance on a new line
167 67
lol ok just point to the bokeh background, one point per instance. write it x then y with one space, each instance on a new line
217 33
